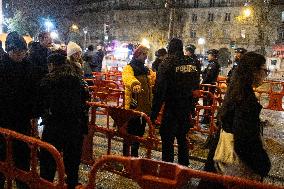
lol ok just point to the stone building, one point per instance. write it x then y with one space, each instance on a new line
219 22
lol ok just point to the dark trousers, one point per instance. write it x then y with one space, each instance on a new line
71 146
20 150
136 127
175 124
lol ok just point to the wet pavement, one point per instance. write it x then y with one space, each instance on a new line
273 137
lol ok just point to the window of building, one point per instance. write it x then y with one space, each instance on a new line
228 17
194 18
226 33
212 3
243 33
210 33
196 3
193 34
210 17
282 16
281 35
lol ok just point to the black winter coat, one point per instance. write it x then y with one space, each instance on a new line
63 96
176 79
243 121
38 57
17 92
211 73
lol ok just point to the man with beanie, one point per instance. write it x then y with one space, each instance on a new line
176 79
239 52
17 90
138 80
209 76
161 54
39 52
62 103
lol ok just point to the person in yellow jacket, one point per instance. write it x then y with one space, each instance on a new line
138 80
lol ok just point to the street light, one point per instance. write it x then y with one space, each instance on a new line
48 25
74 27
85 30
201 43
247 12
54 35
145 43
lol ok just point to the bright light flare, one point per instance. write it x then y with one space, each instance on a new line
145 43
201 41
247 12
54 35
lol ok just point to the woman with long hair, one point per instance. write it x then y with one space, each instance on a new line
239 115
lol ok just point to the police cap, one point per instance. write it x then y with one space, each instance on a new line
214 52
240 50
191 48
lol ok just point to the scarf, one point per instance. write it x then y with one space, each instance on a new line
138 67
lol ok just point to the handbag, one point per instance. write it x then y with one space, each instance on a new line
225 152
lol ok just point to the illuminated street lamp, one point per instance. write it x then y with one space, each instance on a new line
201 43
247 12
74 27
54 35
85 30
145 43
48 25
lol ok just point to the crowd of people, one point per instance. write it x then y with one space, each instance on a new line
37 82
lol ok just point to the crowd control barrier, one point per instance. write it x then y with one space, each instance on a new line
31 177
151 174
120 117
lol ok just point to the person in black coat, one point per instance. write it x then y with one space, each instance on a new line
62 101
176 79
239 115
161 55
17 90
239 52
38 53
209 76
98 60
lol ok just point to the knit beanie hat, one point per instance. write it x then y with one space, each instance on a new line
73 48
14 41
139 50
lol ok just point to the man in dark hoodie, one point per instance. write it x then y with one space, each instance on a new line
39 52
16 100
176 79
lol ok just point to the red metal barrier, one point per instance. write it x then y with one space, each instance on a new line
200 94
275 97
31 177
162 175
120 117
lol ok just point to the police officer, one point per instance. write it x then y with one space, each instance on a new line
190 54
239 52
177 77
209 76
63 107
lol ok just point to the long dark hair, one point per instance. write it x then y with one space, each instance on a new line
242 79
175 47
